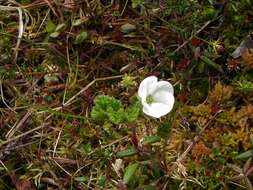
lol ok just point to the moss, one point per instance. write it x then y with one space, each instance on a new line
220 94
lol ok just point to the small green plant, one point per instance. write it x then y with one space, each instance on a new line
137 3
110 109
245 86
128 81
53 30
81 37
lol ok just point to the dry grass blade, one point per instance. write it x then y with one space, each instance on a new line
86 87
20 28
19 124
21 135
3 99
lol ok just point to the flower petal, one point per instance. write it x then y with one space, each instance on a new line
157 110
163 97
145 85
162 86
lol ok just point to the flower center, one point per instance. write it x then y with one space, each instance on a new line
149 99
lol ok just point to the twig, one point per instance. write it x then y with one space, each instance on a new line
51 7
3 99
42 22
20 29
20 33
57 140
20 123
122 12
112 143
21 135
86 87
62 168
189 39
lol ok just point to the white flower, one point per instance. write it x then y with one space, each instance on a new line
156 96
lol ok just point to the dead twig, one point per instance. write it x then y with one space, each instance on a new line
3 99
20 28
191 37
21 135
18 125
85 88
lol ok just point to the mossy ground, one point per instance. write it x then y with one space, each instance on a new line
57 56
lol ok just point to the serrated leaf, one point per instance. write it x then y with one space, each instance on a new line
126 153
116 117
245 155
132 112
129 173
151 139
98 114
108 109
81 37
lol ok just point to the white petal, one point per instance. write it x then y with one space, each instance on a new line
163 86
157 110
163 97
145 85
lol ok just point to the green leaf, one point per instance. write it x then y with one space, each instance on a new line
50 27
116 116
86 148
101 180
80 37
126 153
133 111
77 22
48 98
60 27
129 173
54 34
51 79
107 109
245 155
151 139
136 3
81 179
211 63
164 130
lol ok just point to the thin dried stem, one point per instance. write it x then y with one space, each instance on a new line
67 103
21 135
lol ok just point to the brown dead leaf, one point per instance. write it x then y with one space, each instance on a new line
247 43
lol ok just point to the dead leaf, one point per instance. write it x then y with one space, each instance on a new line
245 44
